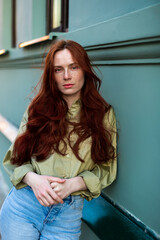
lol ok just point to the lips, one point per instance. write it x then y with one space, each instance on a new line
68 85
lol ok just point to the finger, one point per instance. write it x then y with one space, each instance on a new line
46 196
49 200
43 202
42 198
56 179
55 196
57 190
53 184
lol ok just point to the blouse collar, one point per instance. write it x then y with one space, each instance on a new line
73 112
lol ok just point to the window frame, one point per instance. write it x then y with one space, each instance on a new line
64 16
13 23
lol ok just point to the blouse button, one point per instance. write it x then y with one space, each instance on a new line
67 155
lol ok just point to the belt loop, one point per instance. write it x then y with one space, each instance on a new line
72 199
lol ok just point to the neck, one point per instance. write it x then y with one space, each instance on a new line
70 100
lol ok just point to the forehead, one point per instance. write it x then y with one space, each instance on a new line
63 57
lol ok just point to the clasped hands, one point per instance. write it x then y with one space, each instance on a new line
52 190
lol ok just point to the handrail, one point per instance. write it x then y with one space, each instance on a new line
8 129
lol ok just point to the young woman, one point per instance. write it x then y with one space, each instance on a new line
65 151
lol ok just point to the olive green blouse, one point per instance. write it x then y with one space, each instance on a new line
95 176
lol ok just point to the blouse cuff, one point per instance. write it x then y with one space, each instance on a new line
18 175
93 184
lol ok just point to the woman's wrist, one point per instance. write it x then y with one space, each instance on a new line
27 178
77 184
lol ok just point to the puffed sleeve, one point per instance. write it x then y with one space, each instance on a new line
17 173
104 174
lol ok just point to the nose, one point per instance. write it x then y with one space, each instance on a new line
66 74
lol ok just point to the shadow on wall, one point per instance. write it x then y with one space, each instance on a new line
118 228
108 222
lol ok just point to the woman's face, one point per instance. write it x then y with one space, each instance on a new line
68 75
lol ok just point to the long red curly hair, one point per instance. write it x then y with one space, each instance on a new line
47 124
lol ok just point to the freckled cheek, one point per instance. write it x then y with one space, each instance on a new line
58 80
82 81
58 83
79 77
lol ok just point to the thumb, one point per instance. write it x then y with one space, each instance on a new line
56 179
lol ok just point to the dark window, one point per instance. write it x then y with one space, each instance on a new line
56 19
57 15
21 22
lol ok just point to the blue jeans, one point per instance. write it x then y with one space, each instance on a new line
22 217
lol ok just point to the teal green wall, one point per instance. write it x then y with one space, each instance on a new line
134 93
123 39
86 13
16 90
4 144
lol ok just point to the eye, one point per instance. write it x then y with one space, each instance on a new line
58 70
75 67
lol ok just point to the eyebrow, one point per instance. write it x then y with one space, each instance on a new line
69 64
